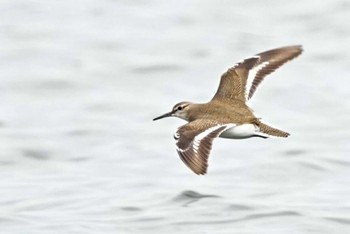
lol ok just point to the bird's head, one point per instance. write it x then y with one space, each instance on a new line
180 110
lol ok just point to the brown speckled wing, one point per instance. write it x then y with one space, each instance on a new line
241 81
269 61
232 85
194 142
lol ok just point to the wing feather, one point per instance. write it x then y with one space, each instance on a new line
195 142
241 81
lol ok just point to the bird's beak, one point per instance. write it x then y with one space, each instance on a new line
163 116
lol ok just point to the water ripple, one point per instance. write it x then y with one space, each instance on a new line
313 166
36 154
246 218
190 196
273 214
339 220
237 207
156 68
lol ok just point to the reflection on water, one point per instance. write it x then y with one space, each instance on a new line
81 83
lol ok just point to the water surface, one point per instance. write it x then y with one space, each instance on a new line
81 82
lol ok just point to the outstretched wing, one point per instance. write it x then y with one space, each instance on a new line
241 81
194 141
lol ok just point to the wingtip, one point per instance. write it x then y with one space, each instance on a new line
299 48
201 173
292 46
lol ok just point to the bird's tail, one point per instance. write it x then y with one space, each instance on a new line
270 131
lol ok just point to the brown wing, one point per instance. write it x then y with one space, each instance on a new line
233 82
194 141
241 81
269 61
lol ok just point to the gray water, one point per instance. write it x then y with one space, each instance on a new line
80 82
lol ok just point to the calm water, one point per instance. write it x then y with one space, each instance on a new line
81 81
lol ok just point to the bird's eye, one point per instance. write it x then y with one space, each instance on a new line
179 108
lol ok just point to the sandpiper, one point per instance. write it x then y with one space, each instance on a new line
229 113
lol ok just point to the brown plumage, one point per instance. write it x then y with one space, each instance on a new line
193 148
228 114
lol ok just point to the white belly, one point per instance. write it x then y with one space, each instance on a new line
241 131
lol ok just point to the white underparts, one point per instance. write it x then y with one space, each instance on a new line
242 131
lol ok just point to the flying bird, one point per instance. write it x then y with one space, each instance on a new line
228 114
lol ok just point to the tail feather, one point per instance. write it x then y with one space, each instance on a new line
264 128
